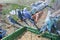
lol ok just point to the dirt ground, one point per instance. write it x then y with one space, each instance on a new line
30 36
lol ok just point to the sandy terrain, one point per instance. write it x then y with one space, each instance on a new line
28 35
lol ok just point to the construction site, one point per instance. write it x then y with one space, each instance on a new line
30 20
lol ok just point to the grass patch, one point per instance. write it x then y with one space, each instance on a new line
13 7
